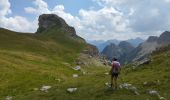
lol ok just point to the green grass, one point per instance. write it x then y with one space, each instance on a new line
29 61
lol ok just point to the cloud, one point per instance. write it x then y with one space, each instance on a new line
41 7
115 19
96 24
4 8
145 15
30 10
16 23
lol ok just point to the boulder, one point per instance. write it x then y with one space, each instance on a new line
153 92
106 73
9 98
45 88
145 83
107 84
77 68
129 87
162 98
84 73
75 75
59 80
71 90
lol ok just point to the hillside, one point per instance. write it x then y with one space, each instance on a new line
30 61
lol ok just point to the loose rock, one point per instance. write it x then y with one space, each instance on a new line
162 98
9 98
129 87
107 84
84 73
145 83
77 68
75 75
106 73
59 80
71 90
153 92
45 88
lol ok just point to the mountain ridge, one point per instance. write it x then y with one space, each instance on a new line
100 44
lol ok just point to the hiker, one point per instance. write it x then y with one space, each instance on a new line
114 72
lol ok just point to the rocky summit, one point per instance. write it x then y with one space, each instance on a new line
47 21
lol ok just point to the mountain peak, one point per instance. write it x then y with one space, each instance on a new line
152 39
164 38
47 21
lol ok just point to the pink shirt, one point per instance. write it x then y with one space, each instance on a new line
116 65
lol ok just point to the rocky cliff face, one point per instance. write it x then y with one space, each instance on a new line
47 21
119 51
150 45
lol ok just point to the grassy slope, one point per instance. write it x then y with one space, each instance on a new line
30 61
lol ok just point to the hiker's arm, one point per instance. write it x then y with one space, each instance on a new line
111 71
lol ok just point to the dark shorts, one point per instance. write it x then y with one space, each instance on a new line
115 74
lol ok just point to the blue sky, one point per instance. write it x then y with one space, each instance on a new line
71 6
92 19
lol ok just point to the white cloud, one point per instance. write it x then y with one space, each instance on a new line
120 19
4 8
41 7
104 23
16 23
30 10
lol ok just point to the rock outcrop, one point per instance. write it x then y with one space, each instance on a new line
48 21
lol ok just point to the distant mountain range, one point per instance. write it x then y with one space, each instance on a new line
119 51
101 44
125 52
150 45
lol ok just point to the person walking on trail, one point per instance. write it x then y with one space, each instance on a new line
114 72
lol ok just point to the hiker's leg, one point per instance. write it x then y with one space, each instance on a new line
111 81
115 82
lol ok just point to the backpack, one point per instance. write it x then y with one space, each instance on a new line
116 67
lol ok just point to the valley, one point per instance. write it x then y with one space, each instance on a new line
49 58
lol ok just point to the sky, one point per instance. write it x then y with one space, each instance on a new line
92 19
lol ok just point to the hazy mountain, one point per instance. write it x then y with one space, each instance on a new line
135 42
112 50
119 51
150 45
127 53
100 44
